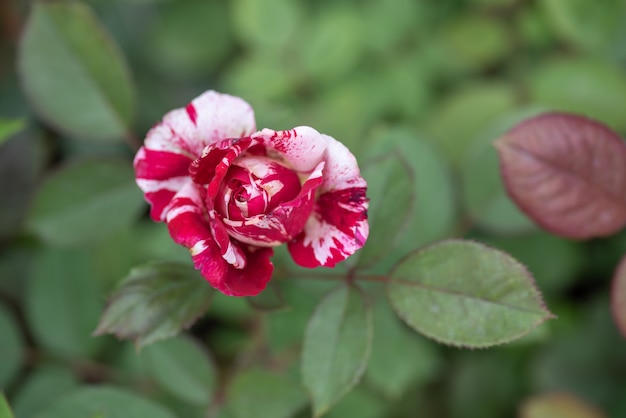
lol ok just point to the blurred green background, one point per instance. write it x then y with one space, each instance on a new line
434 82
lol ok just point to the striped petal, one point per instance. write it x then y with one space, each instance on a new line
338 225
189 227
301 147
284 222
162 164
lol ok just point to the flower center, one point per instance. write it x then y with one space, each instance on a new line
255 185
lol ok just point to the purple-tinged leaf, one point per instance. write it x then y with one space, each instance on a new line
567 173
618 296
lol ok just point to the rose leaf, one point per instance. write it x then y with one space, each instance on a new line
567 173
85 201
261 393
155 301
465 294
336 347
73 72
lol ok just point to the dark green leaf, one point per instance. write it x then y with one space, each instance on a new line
9 127
103 401
359 403
155 301
182 368
86 201
63 302
271 299
11 348
399 357
258 393
390 187
465 294
73 72
41 389
5 409
173 40
22 159
336 347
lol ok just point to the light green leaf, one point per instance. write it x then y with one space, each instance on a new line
600 91
258 393
269 24
9 127
63 303
390 188
458 118
182 368
5 409
73 72
43 387
155 301
11 348
592 26
103 401
86 201
336 347
399 357
465 294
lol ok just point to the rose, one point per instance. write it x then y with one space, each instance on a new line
229 194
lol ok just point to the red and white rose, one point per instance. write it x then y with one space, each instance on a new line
229 193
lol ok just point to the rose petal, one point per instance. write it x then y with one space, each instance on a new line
251 280
160 175
302 147
188 227
341 171
215 161
284 222
209 118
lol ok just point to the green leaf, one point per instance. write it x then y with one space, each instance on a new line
465 294
86 201
271 299
601 92
155 301
434 213
359 403
172 40
390 187
103 401
336 347
259 393
592 26
251 18
5 409
458 118
9 127
63 302
182 368
22 160
43 387
11 348
73 72
399 357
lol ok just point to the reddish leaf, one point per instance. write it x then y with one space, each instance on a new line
567 173
618 296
